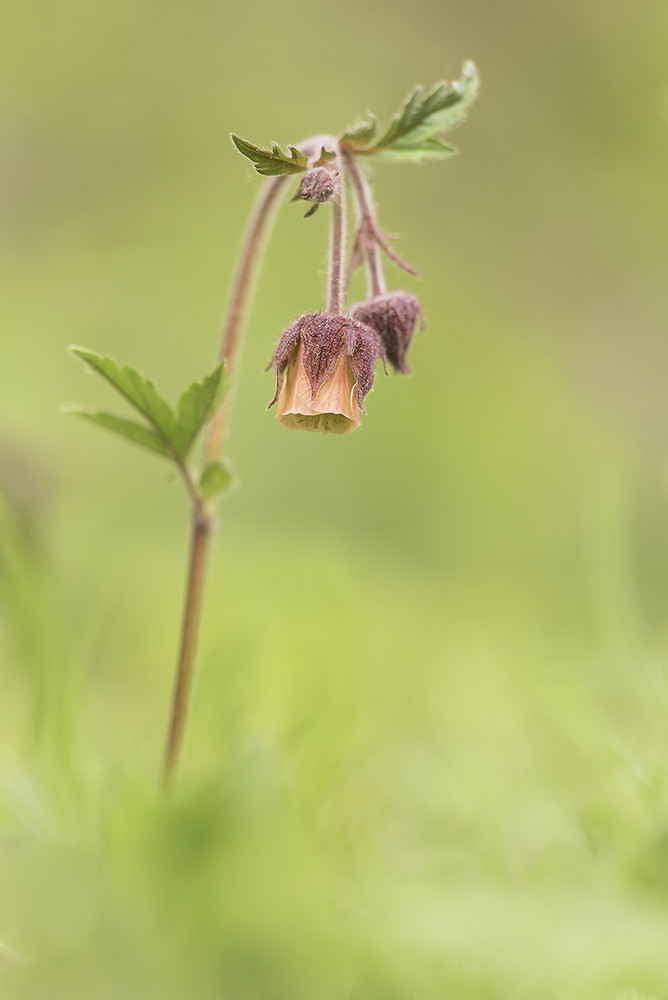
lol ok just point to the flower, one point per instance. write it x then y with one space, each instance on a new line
393 315
328 361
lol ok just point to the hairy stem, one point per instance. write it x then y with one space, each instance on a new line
200 544
374 272
337 252
242 287
375 278
203 521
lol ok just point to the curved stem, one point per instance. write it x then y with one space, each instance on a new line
376 284
375 278
203 521
242 286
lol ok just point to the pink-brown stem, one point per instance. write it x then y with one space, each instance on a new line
367 222
337 251
200 544
242 287
370 237
203 520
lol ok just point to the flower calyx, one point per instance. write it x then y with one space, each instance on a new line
317 185
367 237
324 369
393 316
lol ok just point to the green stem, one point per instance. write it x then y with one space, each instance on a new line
203 520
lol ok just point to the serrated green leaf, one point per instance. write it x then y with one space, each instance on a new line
120 425
422 117
406 118
197 404
270 162
215 479
428 149
175 433
362 131
326 155
138 391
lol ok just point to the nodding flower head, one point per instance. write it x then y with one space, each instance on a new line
324 369
393 315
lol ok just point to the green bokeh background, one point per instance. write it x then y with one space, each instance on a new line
428 753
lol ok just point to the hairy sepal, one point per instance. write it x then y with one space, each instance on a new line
394 316
324 337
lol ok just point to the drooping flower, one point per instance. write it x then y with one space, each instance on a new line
324 369
393 315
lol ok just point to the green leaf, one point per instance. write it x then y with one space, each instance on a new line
362 131
422 117
325 156
406 118
138 391
175 433
120 425
197 404
215 479
428 149
271 161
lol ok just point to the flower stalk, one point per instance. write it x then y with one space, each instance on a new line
364 242
257 232
203 520
203 524
337 251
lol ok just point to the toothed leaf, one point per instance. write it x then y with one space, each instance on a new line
138 391
406 118
362 131
270 162
197 404
129 429
422 117
325 156
428 149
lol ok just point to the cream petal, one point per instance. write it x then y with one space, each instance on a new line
333 410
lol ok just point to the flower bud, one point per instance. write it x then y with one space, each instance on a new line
317 185
393 315
324 369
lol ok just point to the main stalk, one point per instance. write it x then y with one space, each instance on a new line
203 520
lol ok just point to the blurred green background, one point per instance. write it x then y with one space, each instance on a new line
428 753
